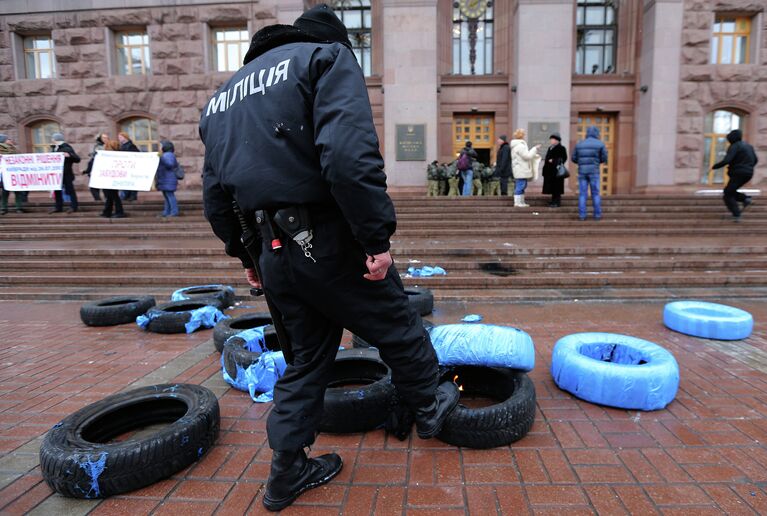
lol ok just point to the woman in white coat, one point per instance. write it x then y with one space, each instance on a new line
524 165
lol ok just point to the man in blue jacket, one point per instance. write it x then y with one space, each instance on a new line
589 154
293 129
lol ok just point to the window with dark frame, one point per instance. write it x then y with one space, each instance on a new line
473 38
357 17
597 30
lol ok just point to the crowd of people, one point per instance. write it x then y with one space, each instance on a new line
168 173
516 161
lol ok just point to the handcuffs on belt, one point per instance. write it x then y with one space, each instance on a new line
293 221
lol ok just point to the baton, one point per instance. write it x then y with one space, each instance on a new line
253 247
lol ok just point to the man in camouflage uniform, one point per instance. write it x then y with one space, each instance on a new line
432 177
443 177
493 182
477 181
452 179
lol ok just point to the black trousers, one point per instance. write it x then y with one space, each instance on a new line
112 199
731 195
504 185
317 301
69 187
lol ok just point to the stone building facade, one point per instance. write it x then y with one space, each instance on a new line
438 71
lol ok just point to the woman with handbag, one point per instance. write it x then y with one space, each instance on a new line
168 172
554 171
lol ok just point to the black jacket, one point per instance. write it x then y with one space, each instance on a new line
503 161
551 184
73 158
294 126
740 155
129 146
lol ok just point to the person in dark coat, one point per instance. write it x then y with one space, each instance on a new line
741 159
305 141
127 145
70 157
503 163
552 185
166 179
101 142
589 154
467 175
112 197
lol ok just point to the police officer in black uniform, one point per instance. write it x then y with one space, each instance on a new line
293 129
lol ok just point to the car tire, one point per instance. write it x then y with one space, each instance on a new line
229 327
421 299
115 310
223 294
80 459
359 394
496 425
708 320
172 317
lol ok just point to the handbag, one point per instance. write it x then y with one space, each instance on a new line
179 172
562 172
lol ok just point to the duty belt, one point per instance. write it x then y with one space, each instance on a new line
293 221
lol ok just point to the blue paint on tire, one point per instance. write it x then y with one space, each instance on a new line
615 370
708 320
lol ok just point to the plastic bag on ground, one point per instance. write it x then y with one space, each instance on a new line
205 317
426 271
143 320
254 339
259 377
483 345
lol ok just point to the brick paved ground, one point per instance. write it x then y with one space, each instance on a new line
704 454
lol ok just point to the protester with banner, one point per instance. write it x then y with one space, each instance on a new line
70 157
112 197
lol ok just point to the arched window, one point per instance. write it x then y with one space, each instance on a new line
355 14
41 133
472 37
143 132
718 124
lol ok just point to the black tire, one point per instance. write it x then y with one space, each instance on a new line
226 328
77 460
359 342
236 354
171 317
495 425
421 299
223 294
115 310
363 406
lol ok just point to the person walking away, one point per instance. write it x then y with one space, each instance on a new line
100 144
525 163
127 145
70 157
589 154
741 159
166 179
112 197
552 185
503 163
330 178
7 147
464 165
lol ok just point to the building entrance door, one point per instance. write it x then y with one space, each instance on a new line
606 125
477 128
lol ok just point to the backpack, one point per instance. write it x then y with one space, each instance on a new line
464 162
179 171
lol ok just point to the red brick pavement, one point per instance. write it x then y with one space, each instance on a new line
703 454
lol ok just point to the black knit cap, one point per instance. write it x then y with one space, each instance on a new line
556 136
321 22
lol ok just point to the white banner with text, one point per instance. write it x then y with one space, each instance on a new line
32 172
115 170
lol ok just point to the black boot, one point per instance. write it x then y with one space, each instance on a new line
292 474
429 420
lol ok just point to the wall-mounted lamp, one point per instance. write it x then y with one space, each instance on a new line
474 110
643 88
382 90
600 109
514 88
439 90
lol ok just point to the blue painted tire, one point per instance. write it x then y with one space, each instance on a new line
483 345
708 320
615 370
